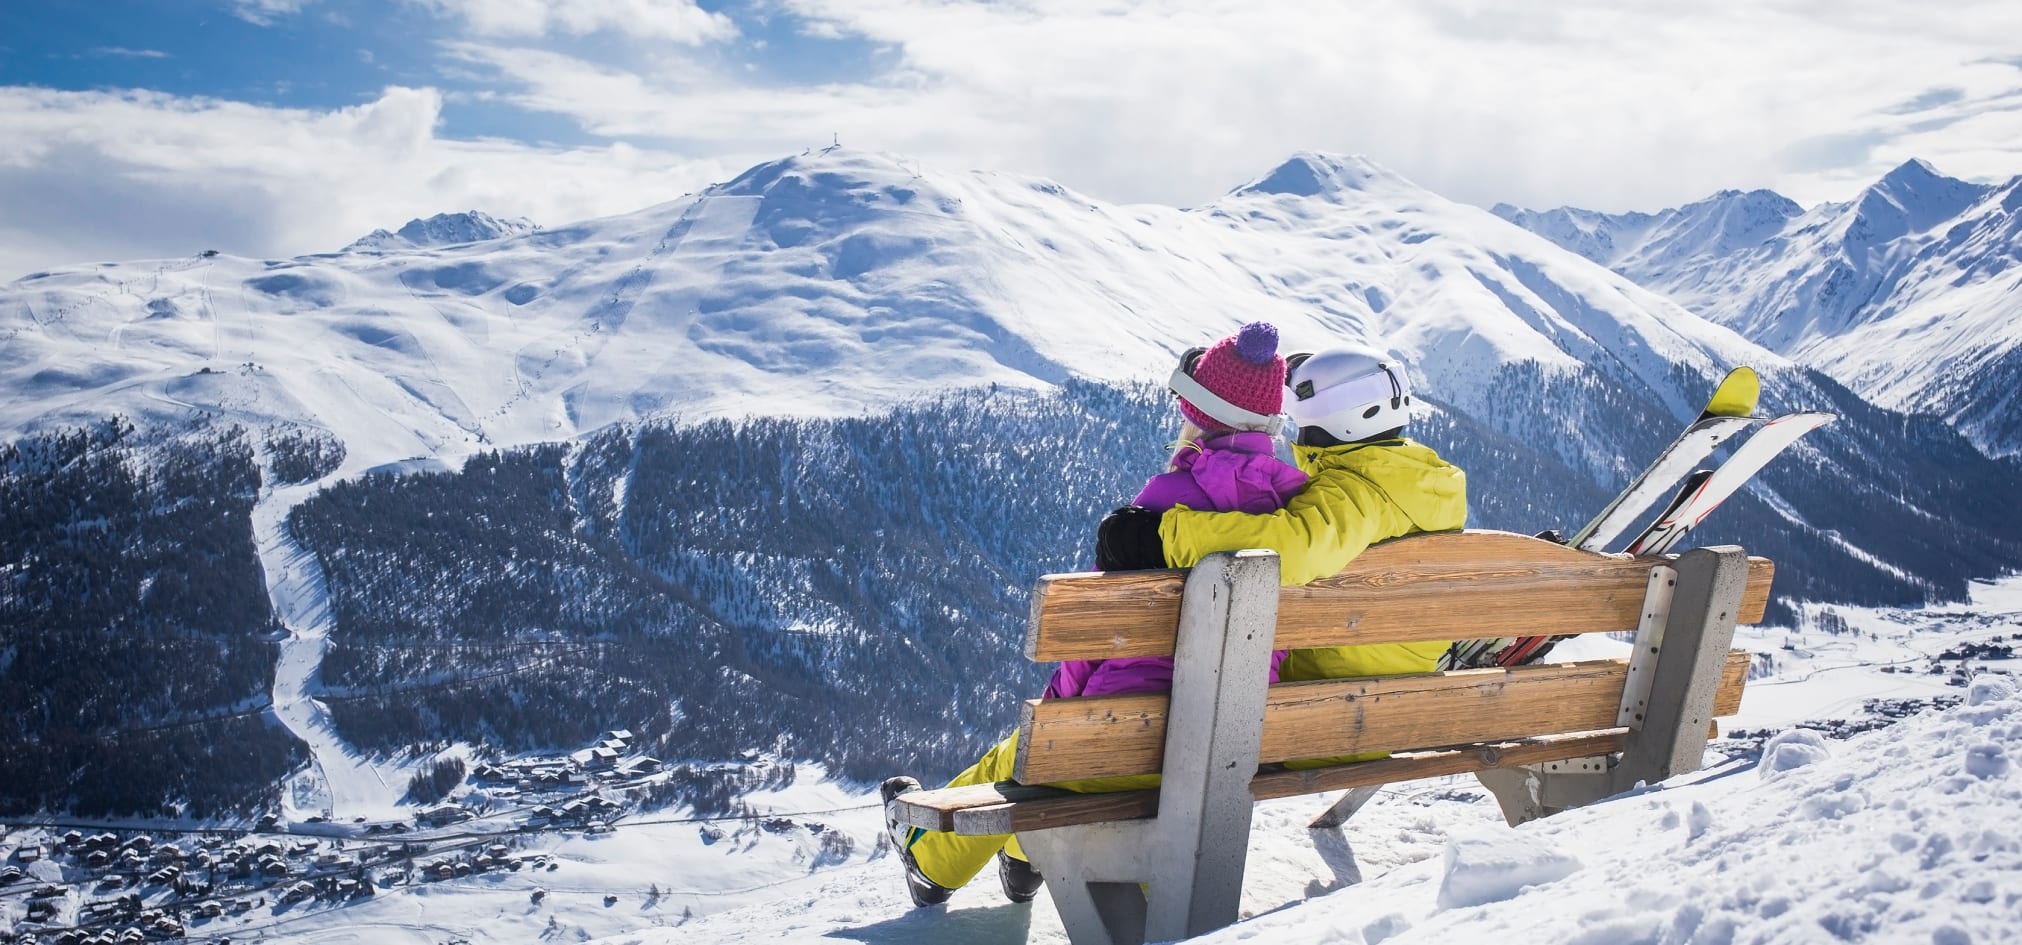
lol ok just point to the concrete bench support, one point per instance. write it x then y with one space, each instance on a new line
1181 874
1688 629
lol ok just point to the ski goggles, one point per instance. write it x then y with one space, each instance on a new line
1208 402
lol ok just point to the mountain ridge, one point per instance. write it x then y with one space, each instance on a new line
768 288
841 283
1908 292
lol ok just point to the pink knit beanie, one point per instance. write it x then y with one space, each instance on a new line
1243 369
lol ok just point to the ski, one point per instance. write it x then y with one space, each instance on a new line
1749 458
1727 412
1702 492
1531 649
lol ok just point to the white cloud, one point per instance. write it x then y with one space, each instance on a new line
678 100
87 176
266 12
124 53
1589 102
1585 102
678 20
1596 102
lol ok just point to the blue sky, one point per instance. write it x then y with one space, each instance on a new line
325 55
136 128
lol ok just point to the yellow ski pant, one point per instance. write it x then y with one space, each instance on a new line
952 859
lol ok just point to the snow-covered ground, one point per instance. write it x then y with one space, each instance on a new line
1906 834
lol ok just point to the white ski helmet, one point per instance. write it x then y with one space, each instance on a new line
1351 392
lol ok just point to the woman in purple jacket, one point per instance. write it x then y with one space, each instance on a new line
1226 461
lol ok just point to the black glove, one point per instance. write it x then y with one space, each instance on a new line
1127 540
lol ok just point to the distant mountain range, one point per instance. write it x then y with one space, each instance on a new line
754 446
1909 293
443 229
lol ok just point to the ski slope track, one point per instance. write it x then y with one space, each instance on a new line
340 782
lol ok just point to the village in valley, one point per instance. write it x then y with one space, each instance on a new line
73 884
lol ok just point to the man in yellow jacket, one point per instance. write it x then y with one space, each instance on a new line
1366 484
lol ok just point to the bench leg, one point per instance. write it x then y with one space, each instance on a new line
1671 736
1192 857
1214 726
1516 790
1129 882
1694 626
1532 791
1345 808
1093 874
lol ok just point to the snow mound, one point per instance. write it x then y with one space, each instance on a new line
1792 750
1990 687
1987 760
1496 867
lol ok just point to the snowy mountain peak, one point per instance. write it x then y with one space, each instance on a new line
1727 223
1911 199
1326 176
1758 200
1914 173
833 164
444 229
1734 221
806 198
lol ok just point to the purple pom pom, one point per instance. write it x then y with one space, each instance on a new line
1257 342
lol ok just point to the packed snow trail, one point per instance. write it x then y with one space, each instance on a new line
341 782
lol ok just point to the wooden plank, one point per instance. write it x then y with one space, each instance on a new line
1733 676
1441 586
935 810
1109 736
1019 807
1429 763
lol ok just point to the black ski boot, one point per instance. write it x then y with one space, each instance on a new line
1021 882
925 891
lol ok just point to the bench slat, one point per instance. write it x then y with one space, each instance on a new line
1008 807
1108 736
1446 586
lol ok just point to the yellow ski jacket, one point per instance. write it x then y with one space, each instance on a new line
1358 494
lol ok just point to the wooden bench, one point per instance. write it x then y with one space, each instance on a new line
1168 863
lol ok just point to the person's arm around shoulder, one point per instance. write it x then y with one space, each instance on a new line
1339 514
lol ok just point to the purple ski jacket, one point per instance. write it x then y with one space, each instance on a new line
1237 472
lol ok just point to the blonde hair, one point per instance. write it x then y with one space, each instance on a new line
1189 439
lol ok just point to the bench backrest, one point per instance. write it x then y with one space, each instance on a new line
1431 587
1445 586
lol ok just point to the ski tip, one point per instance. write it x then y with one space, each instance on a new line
1736 395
